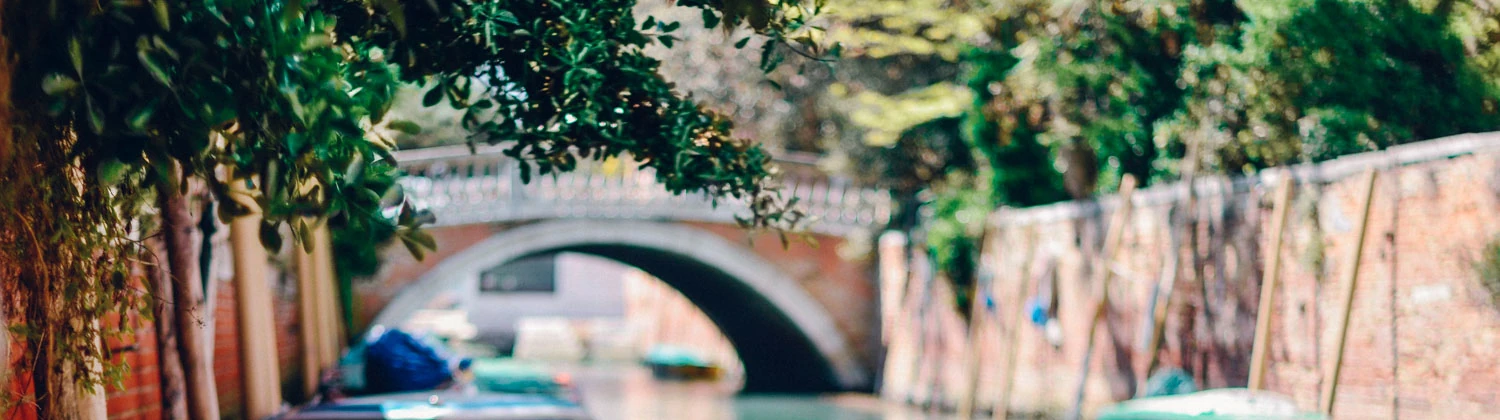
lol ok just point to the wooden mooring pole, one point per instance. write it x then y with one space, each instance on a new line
1351 274
1263 319
1013 335
1101 305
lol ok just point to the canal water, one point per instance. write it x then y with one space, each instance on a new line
630 393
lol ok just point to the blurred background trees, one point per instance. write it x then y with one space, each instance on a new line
960 106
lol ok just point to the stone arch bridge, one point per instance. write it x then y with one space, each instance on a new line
802 317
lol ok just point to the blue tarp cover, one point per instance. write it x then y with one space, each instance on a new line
398 362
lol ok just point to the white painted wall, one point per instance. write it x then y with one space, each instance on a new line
587 287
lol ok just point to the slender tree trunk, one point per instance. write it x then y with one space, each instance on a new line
55 383
4 346
78 402
187 292
173 384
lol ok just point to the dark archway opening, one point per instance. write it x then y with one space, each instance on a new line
777 356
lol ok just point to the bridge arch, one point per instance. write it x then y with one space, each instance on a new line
786 340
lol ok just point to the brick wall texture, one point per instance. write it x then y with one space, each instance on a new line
1424 336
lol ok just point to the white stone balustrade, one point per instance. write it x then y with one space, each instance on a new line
460 187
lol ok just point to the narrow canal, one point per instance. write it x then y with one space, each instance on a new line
630 393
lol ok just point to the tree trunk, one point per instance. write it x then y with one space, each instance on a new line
4 346
55 383
76 402
187 292
173 384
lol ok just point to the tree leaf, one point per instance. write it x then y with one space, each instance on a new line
405 126
75 54
143 52
505 16
770 57
96 117
141 116
741 43
394 13
414 248
423 238
111 171
162 16
650 21
710 19
295 142
665 40
270 237
305 234
433 96
56 84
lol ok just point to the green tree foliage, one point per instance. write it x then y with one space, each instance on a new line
358 242
1298 87
1161 88
890 113
283 97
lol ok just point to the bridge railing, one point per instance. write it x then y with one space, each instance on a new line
484 186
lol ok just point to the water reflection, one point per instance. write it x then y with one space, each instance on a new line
630 393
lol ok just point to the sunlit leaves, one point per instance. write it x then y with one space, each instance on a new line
885 118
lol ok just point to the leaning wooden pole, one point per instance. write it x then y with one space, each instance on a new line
1159 302
1351 274
967 401
1262 349
1013 335
1167 283
1102 272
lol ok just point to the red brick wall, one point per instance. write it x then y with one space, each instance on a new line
288 345
18 387
139 397
226 350
1424 341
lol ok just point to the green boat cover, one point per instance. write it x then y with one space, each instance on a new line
1215 404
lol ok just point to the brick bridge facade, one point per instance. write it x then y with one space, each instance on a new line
802 317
